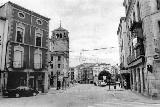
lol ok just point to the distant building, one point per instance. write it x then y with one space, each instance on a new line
71 74
26 56
59 55
75 74
85 73
97 68
123 51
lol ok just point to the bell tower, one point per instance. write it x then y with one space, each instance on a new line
60 41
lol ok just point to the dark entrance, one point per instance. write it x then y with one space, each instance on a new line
104 73
126 80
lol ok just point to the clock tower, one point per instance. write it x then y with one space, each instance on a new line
59 57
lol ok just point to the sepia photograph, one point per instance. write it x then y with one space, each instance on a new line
79 53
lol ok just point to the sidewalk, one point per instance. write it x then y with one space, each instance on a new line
131 96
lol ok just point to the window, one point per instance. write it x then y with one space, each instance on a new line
59 65
51 66
60 35
158 4
51 58
0 40
38 59
21 15
18 57
159 25
38 37
64 35
57 35
39 22
59 58
51 73
20 33
138 11
134 17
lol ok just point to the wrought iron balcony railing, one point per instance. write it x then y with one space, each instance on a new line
135 25
136 55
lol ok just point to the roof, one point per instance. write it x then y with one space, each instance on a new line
60 29
27 10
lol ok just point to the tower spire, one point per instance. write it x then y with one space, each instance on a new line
60 23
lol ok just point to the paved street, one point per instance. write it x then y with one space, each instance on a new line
86 95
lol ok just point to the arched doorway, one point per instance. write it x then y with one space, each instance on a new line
105 73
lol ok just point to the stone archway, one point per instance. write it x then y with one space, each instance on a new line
104 73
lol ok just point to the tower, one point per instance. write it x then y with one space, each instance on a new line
60 56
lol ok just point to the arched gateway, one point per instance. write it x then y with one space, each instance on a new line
103 74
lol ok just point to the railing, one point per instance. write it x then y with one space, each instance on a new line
135 25
138 44
138 53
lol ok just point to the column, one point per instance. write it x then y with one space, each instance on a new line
141 78
136 76
134 79
138 80
46 82
131 79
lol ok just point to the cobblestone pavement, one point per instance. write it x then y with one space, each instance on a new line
82 95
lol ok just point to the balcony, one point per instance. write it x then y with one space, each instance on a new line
138 43
135 25
122 67
138 53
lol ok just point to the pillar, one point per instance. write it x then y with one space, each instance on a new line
138 80
142 78
131 80
134 79
46 82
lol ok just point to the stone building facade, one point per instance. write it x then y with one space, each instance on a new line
123 50
3 42
59 56
26 58
85 73
142 28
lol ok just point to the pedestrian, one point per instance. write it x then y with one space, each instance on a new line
58 85
125 84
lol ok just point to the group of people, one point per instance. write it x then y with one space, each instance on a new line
62 85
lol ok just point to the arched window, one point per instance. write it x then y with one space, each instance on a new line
57 35
18 57
138 11
60 35
39 22
38 59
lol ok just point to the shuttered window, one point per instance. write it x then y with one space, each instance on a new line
38 59
18 57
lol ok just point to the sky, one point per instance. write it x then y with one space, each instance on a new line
92 24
